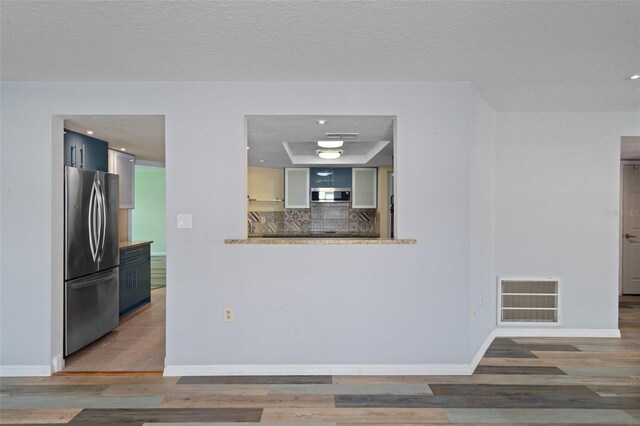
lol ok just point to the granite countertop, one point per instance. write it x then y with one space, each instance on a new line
318 240
315 235
129 244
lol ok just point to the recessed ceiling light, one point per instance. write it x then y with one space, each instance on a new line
330 144
329 154
321 121
89 132
634 77
123 149
262 161
247 147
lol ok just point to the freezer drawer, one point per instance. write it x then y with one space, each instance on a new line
90 309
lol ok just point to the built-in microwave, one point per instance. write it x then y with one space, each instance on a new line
330 195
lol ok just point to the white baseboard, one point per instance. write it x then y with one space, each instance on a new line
382 369
24 370
57 363
557 332
308 369
483 348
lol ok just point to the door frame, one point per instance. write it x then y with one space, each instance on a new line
391 222
57 358
621 221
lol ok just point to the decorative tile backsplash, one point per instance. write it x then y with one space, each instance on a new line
337 218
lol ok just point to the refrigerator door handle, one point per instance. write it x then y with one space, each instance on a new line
103 219
95 281
82 157
97 220
92 239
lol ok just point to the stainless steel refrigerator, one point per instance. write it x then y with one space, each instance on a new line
91 256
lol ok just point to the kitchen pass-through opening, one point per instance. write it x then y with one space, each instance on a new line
321 176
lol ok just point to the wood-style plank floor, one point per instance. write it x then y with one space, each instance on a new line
519 381
137 344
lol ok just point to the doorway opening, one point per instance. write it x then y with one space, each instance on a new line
124 328
630 216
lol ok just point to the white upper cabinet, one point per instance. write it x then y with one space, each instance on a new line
124 165
364 188
296 188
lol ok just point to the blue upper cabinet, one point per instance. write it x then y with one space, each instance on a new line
85 152
330 177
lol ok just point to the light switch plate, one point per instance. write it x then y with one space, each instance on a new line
185 221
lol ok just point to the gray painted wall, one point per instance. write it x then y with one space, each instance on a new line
482 277
556 174
380 304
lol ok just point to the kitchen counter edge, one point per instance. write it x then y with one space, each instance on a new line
130 244
310 241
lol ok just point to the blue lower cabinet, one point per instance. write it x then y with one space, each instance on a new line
135 278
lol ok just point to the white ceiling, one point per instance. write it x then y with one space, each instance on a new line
140 135
521 55
267 136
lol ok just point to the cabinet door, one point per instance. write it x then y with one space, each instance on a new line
296 188
85 152
124 166
125 289
330 177
364 188
142 282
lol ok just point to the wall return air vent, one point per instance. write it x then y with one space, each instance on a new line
528 301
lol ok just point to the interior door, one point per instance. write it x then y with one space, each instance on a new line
631 229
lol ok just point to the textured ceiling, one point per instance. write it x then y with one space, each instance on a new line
266 134
521 55
140 135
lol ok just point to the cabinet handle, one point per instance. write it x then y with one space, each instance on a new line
82 157
135 279
72 148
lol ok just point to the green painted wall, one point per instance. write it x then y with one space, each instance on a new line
149 215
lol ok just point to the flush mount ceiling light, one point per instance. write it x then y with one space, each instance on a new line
326 154
634 77
330 144
321 121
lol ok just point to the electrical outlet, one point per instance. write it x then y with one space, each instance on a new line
228 314
263 219
474 312
481 302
